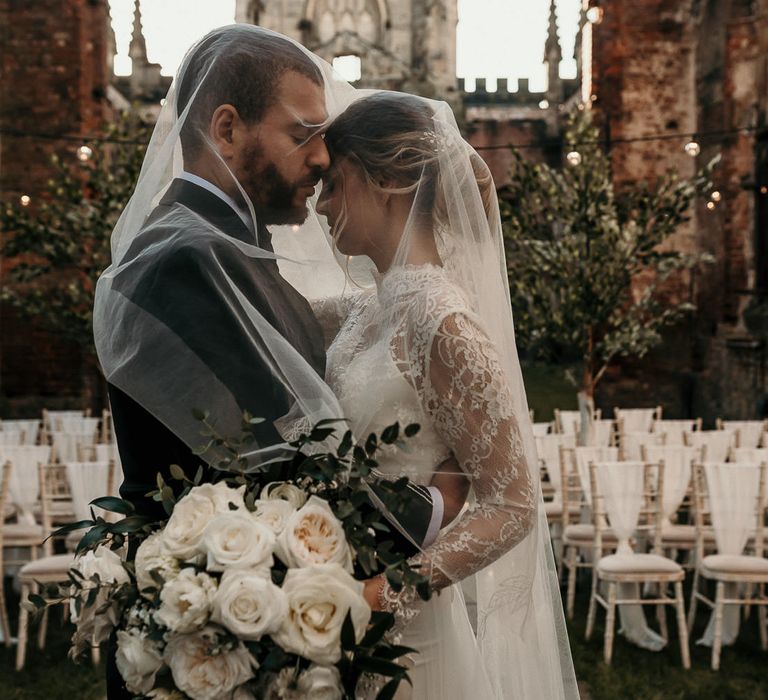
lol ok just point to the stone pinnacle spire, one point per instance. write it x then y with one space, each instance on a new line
553 54
138 47
552 51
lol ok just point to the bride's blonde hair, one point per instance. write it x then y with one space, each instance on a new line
392 139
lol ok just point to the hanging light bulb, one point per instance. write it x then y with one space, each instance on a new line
574 158
595 15
711 205
295 227
544 104
692 148
716 196
25 200
84 154
764 190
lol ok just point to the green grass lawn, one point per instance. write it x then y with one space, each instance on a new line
634 673
47 674
547 389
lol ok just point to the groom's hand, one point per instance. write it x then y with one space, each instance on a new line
454 488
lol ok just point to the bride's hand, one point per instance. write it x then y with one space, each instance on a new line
372 592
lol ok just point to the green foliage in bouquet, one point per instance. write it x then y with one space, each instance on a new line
587 262
319 470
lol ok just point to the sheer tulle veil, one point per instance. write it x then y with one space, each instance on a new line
520 625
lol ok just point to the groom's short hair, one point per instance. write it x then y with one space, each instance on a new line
239 65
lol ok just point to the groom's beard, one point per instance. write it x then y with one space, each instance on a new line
274 198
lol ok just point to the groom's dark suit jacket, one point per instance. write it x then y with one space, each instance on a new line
188 307
180 295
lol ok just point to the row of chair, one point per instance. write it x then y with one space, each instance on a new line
631 507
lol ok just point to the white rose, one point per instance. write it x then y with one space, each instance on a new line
152 555
280 490
221 495
184 529
314 535
320 683
185 601
237 540
204 672
274 513
192 513
138 660
104 562
319 598
248 604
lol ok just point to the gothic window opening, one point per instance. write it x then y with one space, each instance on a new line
348 67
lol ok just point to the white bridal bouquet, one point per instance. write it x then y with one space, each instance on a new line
252 587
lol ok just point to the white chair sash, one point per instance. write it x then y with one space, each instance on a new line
540 429
621 485
717 443
751 432
600 433
674 430
54 419
30 428
65 444
87 481
636 420
585 455
678 461
631 442
11 437
25 478
732 493
548 450
732 490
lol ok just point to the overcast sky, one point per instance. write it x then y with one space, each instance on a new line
495 38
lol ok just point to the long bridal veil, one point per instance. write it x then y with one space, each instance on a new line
521 631
520 625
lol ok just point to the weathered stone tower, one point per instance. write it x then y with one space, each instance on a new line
402 44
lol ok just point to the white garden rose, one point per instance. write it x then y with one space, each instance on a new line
320 683
273 513
280 490
222 496
314 535
138 659
185 527
192 513
202 670
104 562
248 604
152 555
319 598
236 540
186 601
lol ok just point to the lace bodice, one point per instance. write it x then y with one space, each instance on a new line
411 350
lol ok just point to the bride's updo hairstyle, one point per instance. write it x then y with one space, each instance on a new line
392 139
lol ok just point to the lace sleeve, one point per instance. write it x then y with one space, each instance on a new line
331 312
465 392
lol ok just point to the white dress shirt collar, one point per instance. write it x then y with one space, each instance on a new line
206 184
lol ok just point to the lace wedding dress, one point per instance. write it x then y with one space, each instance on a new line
436 367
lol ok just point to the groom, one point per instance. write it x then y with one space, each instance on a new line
255 116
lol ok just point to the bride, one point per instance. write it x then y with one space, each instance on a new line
430 341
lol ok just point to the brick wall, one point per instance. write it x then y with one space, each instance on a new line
54 80
664 68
